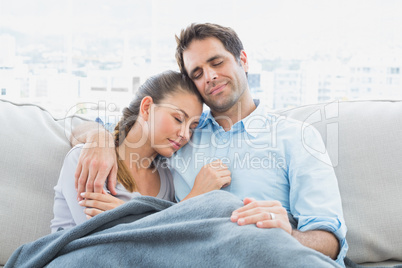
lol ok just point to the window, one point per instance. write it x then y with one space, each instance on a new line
366 80
42 87
120 84
393 70
94 43
98 88
3 91
254 80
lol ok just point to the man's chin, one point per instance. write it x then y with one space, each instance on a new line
220 106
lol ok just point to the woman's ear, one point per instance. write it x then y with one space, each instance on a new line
145 108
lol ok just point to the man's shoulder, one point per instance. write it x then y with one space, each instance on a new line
109 126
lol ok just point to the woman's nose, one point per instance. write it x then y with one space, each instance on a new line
185 133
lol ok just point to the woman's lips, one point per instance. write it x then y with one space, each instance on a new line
175 145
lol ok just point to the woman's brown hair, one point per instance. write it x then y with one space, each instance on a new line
158 87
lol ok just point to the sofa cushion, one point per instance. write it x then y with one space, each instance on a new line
362 138
33 146
364 142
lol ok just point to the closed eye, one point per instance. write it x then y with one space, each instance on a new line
178 120
196 76
193 126
216 64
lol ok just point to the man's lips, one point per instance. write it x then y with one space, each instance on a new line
175 145
215 90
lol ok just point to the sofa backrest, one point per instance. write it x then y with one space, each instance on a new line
363 139
364 142
32 146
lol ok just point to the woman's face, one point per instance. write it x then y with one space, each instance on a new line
172 121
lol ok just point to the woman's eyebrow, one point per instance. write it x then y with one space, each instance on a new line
185 114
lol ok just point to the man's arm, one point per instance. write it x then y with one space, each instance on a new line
259 213
322 241
97 161
81 132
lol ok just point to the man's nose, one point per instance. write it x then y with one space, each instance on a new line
210 75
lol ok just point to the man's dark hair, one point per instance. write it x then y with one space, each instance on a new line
195 31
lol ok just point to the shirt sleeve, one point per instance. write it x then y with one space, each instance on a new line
67 211
315 200
108 126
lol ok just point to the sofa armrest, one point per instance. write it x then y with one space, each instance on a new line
33 146
363 140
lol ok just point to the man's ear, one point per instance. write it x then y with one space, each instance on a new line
145 107
244 60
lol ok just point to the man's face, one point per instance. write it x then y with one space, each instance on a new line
219 77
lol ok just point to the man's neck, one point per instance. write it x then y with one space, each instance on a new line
243 108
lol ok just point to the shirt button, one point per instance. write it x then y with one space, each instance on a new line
225 140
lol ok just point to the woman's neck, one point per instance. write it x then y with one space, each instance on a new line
136 150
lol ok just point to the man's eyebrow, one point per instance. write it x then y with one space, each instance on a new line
214 58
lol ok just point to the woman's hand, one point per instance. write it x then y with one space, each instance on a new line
264 214
96 203
212 176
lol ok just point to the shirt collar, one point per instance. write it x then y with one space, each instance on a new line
206 118
254 121
257 120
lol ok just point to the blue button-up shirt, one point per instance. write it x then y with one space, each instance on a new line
270 157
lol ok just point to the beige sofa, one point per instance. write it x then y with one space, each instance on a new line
363 138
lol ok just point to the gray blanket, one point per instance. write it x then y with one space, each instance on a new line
149 232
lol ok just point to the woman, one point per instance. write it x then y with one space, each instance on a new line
159 121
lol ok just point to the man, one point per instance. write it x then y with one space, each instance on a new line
266 154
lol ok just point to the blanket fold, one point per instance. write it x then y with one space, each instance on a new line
149 232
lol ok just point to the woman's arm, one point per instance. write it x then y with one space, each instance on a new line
212 176
97 161
96 203
67 211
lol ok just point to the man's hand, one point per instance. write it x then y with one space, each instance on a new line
212 176
96 203
259 213
97 162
